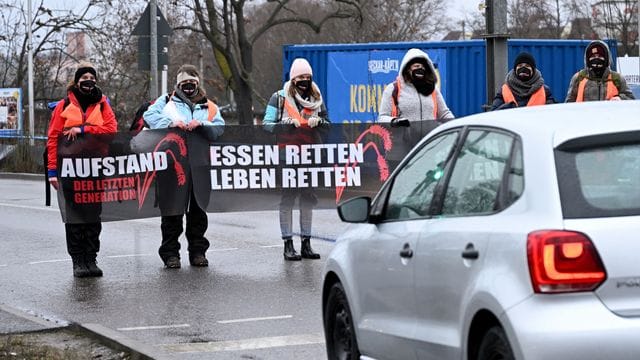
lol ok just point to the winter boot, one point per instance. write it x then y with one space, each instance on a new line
306 250
289 251
94 270
80 269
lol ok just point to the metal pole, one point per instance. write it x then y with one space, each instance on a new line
496 45
30 78
153 38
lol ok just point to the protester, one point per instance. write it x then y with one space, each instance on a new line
597 81
186 108
524 86
84 110
413 96
298 106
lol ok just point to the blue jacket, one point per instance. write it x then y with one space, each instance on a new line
162 113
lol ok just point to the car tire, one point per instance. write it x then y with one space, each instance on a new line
495 346
339 329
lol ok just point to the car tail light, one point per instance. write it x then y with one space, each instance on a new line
563 261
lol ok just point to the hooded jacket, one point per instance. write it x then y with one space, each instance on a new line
596 87
412 104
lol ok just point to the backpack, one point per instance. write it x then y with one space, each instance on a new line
138 122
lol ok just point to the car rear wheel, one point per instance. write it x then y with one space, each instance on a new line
339 328
495 346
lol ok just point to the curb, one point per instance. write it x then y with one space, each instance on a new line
120 342
21 176
97 332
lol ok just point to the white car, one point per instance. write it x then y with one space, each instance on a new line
511 234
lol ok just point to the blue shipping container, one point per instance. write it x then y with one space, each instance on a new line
352 76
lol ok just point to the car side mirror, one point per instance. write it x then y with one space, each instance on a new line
355 210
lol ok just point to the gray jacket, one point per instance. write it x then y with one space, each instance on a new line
596 87
411 104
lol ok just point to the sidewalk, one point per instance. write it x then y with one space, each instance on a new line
20 324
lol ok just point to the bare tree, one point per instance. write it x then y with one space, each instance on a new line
48 26
224 24
398 20
618 20
535 19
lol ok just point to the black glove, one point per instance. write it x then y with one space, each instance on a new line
400 122
508 105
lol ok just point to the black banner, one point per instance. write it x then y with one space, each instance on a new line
127 175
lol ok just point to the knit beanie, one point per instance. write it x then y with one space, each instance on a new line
526 58
187 72
83 68
299 67
596 50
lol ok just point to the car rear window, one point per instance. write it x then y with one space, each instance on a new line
600 178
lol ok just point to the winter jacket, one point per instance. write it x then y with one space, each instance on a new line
411 104
499 100
276 111
162 113
595 88
97 119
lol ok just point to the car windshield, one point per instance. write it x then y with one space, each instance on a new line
607 179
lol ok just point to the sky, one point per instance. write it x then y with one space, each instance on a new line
457 8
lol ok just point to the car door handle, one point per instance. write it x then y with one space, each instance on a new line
406 251
470 252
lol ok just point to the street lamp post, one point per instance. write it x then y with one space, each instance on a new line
30 76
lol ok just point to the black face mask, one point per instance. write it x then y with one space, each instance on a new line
189 89
87 86
303 85
524 74
418 75
597 66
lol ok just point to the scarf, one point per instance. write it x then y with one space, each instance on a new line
311 103
85 100
523 89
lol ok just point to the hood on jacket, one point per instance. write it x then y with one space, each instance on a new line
588 50
417 54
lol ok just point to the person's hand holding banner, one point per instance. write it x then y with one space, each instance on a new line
72 133
178 124
54 182
314 121
292 121
193 124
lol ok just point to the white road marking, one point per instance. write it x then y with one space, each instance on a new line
247 344
52 208
3 265
223 249
127 255
270 246
48 261
156 327
255 319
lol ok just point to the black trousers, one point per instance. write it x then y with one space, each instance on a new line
83 239
171 227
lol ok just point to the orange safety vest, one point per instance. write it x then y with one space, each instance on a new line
294 113
73 115
612 90
397 85
539 97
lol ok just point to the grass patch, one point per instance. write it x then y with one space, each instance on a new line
59 344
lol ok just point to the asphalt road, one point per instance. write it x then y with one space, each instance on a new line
248 304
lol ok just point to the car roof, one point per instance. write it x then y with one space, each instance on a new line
560 122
